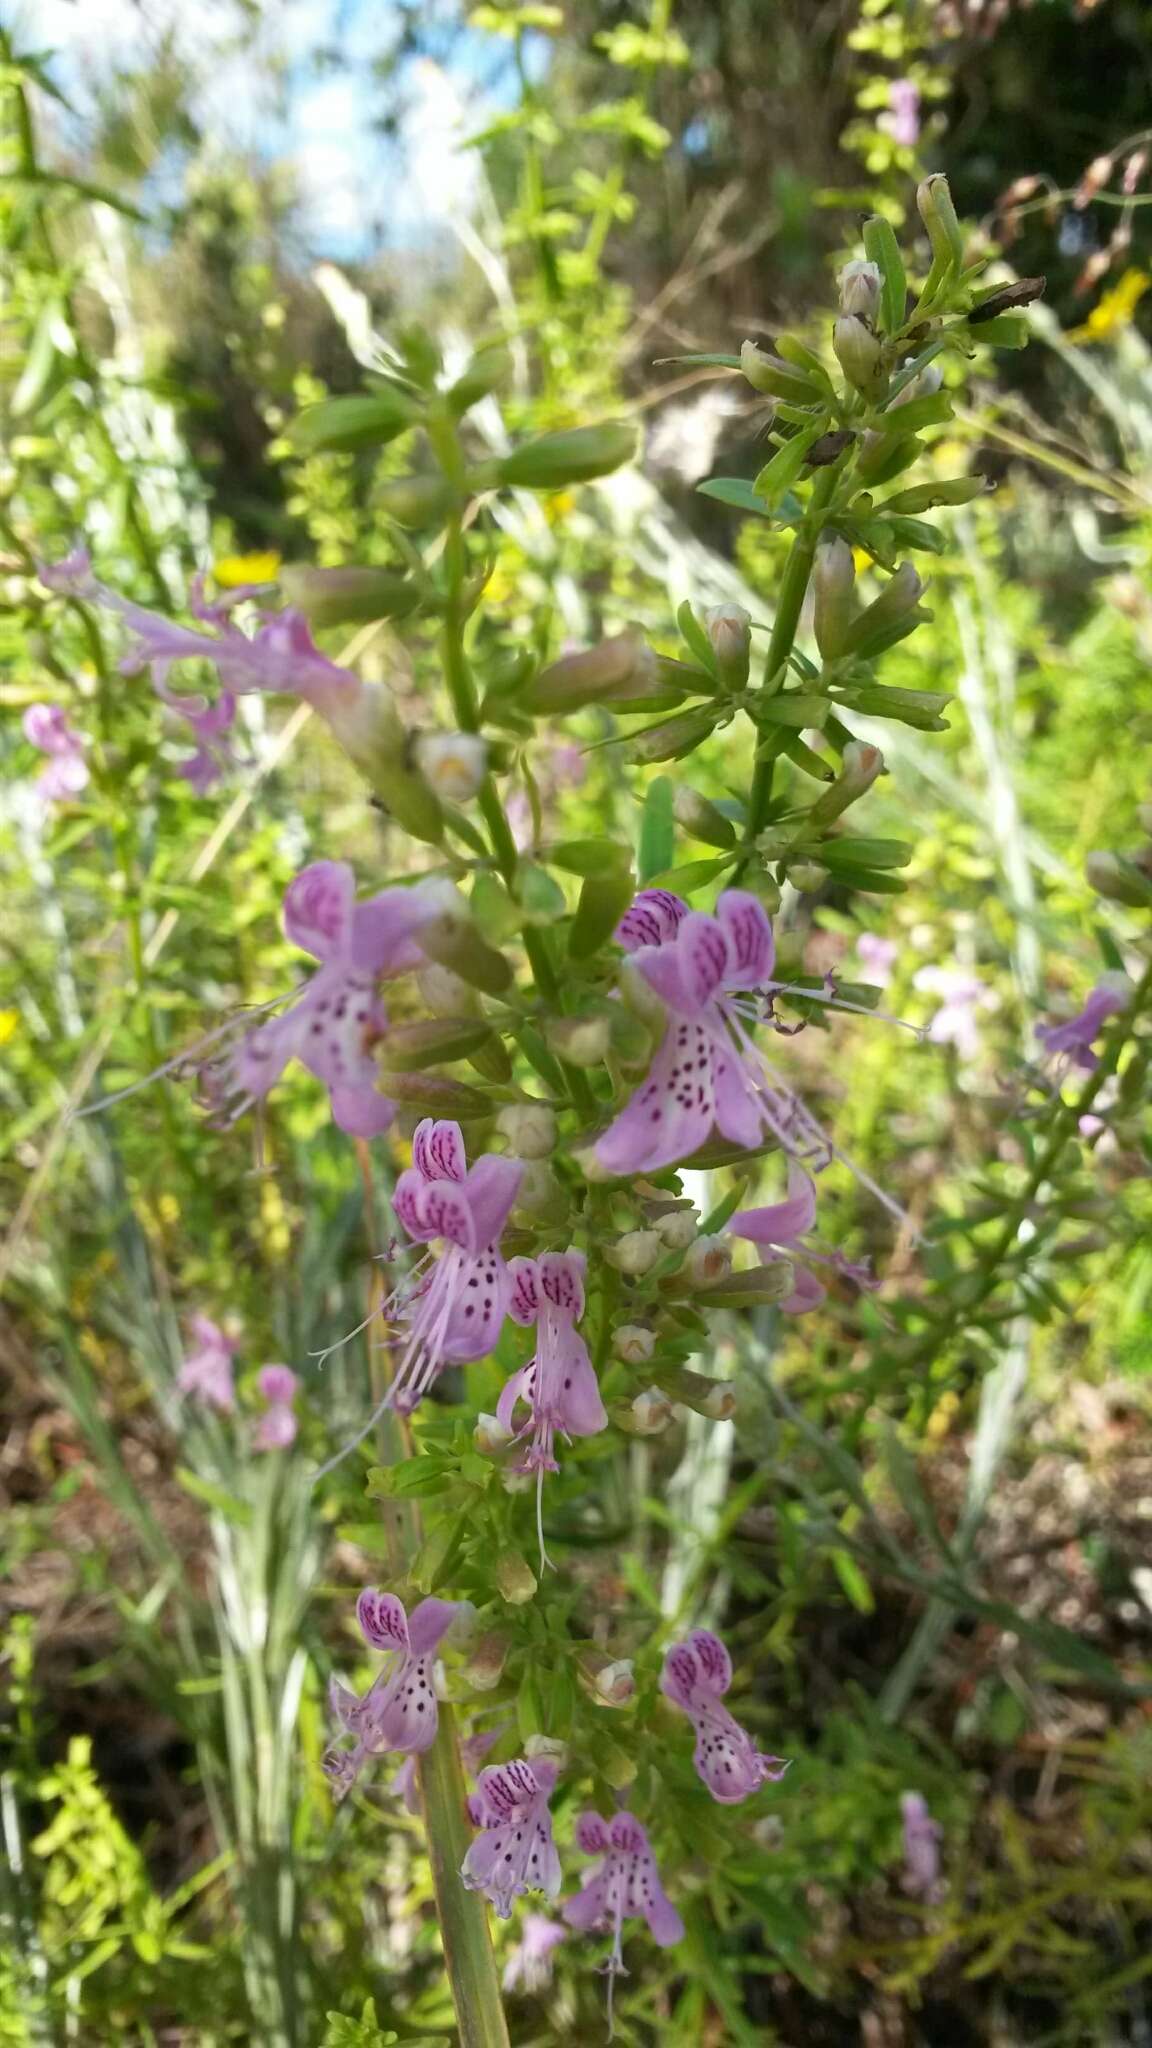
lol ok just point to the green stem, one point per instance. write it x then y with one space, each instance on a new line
793 588
985 1275
463 1917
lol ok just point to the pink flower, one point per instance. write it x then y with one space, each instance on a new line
515 1852
279 657
530 1964
457 1309
207 1371
558 1384
779 1230
49 728
922 1837
961 995
877 957
902 121
398 1713
696 1675
277 1426
1070 1044
336 1019
624 1885
707 1072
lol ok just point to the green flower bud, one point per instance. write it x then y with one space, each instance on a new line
413 500
860 354
576 457
348 596
515 1578
833 584
487 371
454 942
771 374
900 595
729 631
701 819
861 764
934 204
807 874
540 1199
622 663
361 420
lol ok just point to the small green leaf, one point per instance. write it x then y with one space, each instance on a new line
603 901
780 474
657 829
853 1581
588 856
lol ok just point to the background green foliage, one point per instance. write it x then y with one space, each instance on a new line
933 1553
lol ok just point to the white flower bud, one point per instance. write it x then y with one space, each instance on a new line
859 354
729 629
541 1198
635 1253
530 1128
710 1259
453 764
651 1412
579 1041
549 1746
490 1436
616 1683
485 1666
677 1230
445 994
633 1344
589 1165
720 1405
515 1578
925 384
859 283
833 586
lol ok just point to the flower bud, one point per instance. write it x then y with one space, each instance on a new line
709 1260
349 596
541 1198
454 942
578 1041
363 719
677 1230
715 1399
1120 880
490 1436
701 819
586 1159
633 1343
860 354
614 1684
552 1748
453 764
635 1253
900 595
413 500
485 1666
515 1578
808 875
651 1412
615 1765
445 994
671 738
925 384
859 283
625 662
771 374
833 584
530 1128
516 1482
640 996
576 456
719 1403
860 766
934 203
729 630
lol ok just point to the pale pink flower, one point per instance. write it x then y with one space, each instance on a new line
558 1385
696 1675
207 1371
49 728
624 1885
531 1963
277 1426
515 1852
962 995
922 1838
877 957
399 1712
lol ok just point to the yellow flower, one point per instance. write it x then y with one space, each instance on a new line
1115 310
232 570
9 1025
861 560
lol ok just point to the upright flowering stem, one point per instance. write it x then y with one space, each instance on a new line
793 588
463 1915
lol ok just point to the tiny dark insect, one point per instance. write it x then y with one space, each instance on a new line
1009 296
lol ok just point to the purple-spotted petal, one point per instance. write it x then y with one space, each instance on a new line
318 909
383 1622
580 1410
479 1307
562 1281
362 1112
592 1834
524 1300
713 1661
652 920
672 1112
748 929
438 1149
588 1909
